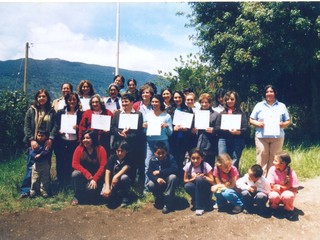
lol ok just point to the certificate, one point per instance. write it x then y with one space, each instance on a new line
61 104
67 123
112 106
129 121
154 127
202 119
85 103
101 122
230 121
182 118
271 125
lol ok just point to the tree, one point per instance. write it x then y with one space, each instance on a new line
192 73
252 44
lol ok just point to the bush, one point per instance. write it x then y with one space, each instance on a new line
13 106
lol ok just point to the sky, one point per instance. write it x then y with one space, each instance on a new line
151 34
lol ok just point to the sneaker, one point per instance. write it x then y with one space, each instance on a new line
44 194
165 209
24 195
199 212
32 194
215 206
237 209
124 203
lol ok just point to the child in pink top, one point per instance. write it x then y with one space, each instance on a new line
284 183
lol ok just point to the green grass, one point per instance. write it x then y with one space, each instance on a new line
305 161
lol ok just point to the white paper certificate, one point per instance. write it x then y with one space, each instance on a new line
67 123
202 119
271 125
112 106
129 121
230 121
154 127
101 122
85 103
182 118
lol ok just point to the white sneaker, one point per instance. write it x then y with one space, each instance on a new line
199 212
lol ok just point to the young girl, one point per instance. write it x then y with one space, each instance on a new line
198 178
225 176
284 183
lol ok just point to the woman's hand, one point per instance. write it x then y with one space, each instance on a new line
106 193
34 145
235 132
210 130
92 184
48 144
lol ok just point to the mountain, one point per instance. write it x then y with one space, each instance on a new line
51 73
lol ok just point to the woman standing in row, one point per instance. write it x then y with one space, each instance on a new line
232 141
40 116
66 143
269 144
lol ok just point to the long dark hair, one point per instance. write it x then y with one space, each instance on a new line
93 135
183 103
237 100
159 97
73 94
47 106
82 82
200 152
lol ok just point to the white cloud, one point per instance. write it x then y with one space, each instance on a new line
55 31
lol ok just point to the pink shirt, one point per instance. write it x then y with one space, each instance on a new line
226 177
277 177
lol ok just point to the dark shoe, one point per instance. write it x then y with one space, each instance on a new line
290 215
124 203
24 195
165 209
44 194
32 194
237 209
223 208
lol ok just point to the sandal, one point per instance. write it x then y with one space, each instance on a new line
74 202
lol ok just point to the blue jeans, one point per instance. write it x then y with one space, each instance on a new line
200 192
149 154
228 195
232 146
26 183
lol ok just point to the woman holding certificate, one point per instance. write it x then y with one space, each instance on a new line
66 140
127 125
180 141
269 117
97 117
205 120
158 125
231 125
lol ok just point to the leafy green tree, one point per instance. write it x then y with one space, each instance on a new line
13 106
192 73
252 44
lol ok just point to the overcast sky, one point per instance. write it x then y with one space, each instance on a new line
151 35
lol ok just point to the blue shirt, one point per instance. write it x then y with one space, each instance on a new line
261 110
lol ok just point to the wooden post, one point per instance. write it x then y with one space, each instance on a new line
26 69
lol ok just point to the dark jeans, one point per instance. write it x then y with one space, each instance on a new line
81 190
232 146
165 192
258 198
200 192
26 182
64 152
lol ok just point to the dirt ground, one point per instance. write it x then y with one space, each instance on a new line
100 222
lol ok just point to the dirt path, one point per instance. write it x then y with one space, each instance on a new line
99 222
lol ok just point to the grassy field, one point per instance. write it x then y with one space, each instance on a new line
305 161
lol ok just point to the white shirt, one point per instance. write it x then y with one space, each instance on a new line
262 184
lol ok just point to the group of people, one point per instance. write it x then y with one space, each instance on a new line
105 145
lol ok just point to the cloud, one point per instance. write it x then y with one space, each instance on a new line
86 33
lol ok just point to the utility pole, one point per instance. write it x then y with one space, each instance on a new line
26 69
118 37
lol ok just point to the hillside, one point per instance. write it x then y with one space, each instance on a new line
51 73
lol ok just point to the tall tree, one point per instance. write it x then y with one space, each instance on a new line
252 44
